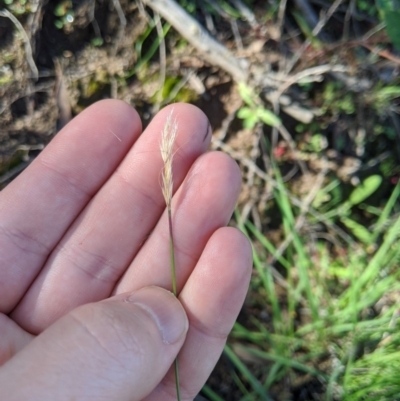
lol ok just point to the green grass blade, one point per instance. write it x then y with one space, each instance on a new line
210 394
384 217
242 368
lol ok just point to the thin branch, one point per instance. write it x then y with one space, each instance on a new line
121 28
347 17
292 145
281 16
34 21
92 19
120 12
303 211
326 17
213 51
175 90
373 31
309 72
246 12
296 201
62 97
318 28
163 57
236 34
28 49
308 12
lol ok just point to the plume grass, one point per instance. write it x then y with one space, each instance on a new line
167 183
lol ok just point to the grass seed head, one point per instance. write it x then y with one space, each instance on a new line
167 153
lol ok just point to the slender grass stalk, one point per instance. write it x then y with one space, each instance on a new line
242 368
167 146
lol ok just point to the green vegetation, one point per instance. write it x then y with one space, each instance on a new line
334 309
390 14
18 7
254 112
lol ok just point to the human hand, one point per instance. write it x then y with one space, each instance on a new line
84 243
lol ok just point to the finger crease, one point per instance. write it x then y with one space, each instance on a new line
25 242
137 190
76 186
93 265
196 325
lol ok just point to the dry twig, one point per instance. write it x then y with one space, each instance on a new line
318 28
163 58
28 48
246 12
213 51
296 201
314 73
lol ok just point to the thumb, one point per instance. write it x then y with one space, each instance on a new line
117 349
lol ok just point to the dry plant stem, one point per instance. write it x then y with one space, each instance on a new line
217 54
28 48
62 96
121 29
213 51
217 144
167 146
92 19
246 12
163 59
318 28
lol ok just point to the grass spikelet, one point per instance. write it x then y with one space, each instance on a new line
167 153
167 146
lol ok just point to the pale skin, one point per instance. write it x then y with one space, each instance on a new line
84 251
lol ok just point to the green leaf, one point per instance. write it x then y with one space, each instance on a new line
390 14
247 94
392 19
366 189
386 5
97 42
245 112
249 117
358 230
250 122
389 91
268 117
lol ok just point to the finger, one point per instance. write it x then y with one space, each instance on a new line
102 242
117 349
212 298
38 207
13 338
203 204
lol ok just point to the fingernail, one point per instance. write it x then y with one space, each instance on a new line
166 311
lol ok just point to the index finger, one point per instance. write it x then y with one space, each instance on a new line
37 208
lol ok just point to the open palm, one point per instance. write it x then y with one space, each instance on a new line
83 242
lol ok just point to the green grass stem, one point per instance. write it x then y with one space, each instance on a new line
174 290
172 252
241 367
